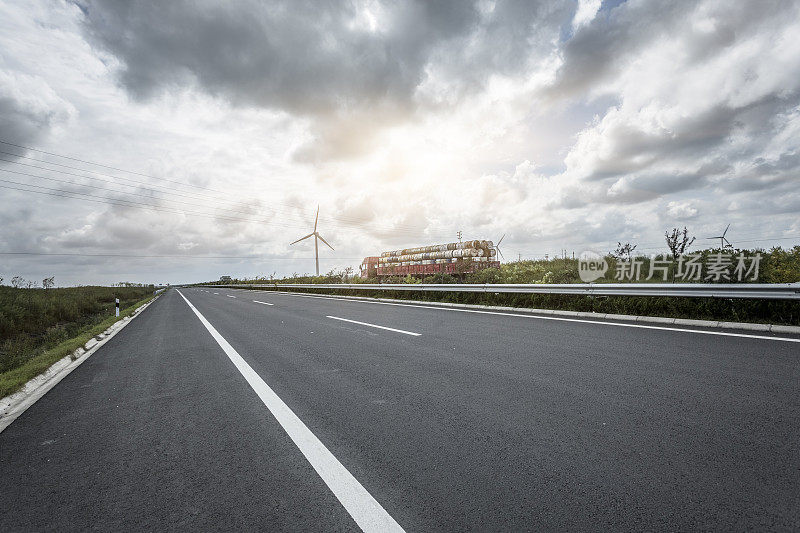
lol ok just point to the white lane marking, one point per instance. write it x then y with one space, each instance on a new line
216 293
10 412
229 296
562 319
365 510
263 303
374 325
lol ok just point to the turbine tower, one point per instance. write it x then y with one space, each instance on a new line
723 242
317 238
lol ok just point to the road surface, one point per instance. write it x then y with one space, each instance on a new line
241 410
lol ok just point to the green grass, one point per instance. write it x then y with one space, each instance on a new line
13 380
35 320
778 265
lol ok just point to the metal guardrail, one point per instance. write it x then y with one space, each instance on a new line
765 291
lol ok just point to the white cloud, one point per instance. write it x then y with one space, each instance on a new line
681 210
587 10
29 107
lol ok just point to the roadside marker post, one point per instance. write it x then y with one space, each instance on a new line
116 301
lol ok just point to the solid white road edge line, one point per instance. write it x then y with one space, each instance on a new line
16 410
262 303
562 319
365 510
374 325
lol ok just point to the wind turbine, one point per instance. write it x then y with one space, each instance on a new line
497 246
723 242
317 238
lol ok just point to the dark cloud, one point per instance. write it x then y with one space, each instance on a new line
639 188
628 189
300 56
24 124
310 56
316 58
766 174
634 146
29 109
17 125
297 55
599 51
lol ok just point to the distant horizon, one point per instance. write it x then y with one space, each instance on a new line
233 275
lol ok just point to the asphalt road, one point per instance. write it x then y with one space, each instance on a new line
448 420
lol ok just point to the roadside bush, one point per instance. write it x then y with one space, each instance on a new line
778 265
34 320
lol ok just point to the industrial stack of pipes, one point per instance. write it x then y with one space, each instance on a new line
479 251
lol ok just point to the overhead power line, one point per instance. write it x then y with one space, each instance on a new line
139 184
110 167
95 187
165 256
129 203
162 208
213 196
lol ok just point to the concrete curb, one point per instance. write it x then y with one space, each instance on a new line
769 328
11 407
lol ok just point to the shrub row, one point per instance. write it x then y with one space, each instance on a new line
34 320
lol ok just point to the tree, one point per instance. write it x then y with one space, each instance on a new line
48 283
17 282
678 241
347 274
623 251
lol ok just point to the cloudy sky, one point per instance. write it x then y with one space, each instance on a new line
179 141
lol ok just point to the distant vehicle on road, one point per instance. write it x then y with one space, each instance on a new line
225 279
455 258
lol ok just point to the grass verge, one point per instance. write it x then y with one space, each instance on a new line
13 380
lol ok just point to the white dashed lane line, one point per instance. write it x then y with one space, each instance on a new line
262 303
555 318
375 326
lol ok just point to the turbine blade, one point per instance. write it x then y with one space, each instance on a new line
315 219
301 239
726 230
501 240
501 253
326 242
